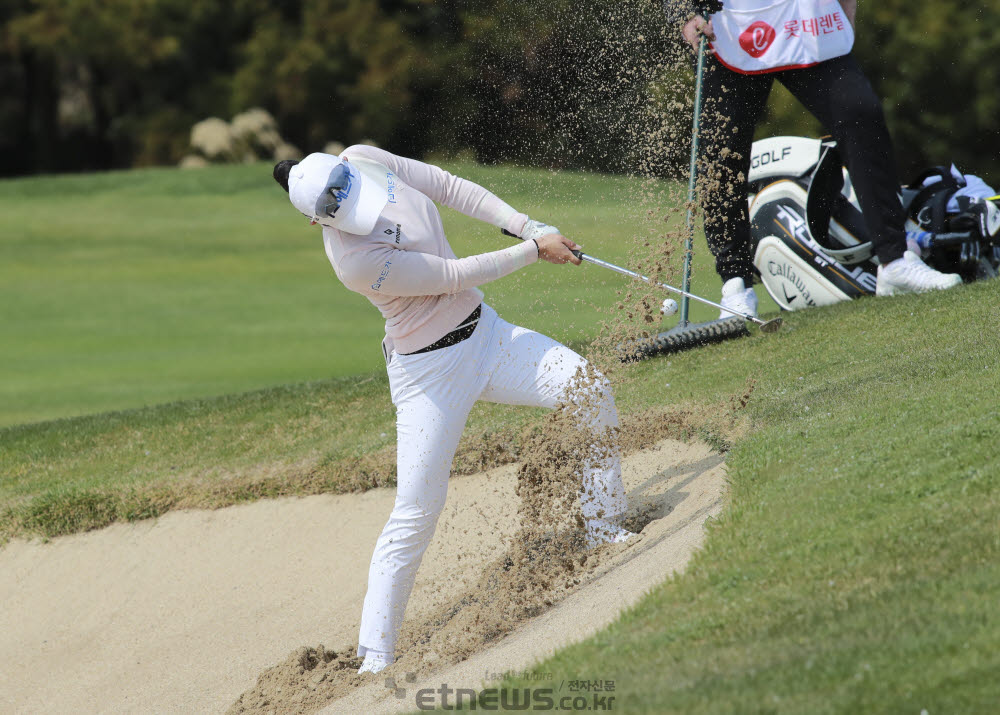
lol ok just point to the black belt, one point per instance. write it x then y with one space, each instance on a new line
463 332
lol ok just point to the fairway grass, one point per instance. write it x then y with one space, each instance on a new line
157 285
855 569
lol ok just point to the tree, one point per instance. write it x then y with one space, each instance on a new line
97 76
87 85
334 70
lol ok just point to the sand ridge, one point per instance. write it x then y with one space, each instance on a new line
183 613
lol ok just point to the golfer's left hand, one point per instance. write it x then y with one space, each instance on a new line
556 248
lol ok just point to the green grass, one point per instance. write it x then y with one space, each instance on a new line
128 289
856 568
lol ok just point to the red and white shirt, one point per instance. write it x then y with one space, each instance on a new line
752 37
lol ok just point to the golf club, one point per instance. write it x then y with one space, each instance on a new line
766 326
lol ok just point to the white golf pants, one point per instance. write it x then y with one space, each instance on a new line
433 394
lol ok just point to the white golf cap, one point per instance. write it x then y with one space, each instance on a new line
359 202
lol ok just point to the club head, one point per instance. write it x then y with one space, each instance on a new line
771 326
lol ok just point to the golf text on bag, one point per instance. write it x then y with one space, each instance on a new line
767 157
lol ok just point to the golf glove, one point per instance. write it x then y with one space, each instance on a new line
536 229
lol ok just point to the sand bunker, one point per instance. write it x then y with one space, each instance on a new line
185 613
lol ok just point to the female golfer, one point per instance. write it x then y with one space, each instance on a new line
444 348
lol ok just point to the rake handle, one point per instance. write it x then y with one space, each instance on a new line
692 177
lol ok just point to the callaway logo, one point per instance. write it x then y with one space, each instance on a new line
786 271
757 39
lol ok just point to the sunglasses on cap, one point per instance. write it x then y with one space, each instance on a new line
338 188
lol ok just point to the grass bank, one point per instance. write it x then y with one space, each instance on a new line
857 567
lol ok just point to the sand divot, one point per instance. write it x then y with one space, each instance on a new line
184 613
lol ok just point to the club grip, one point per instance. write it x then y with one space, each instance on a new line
576 252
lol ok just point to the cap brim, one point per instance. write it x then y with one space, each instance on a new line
374 195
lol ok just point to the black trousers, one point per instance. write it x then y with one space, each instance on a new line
842 99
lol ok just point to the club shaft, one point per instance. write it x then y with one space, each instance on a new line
626 272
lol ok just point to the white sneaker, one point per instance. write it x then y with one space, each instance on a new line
376 661
737 296
909 274
603 531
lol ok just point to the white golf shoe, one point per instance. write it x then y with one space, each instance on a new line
604 531
737 296
375 661
909 274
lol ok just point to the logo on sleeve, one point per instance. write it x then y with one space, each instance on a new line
757 39
377 285
390 187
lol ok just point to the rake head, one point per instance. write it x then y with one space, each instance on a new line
690 336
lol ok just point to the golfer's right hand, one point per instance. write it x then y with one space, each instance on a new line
695 27
556 248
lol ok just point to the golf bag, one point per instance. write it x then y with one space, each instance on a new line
811 244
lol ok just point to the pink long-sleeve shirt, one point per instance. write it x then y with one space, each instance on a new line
406 267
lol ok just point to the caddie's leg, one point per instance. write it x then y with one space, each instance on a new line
842 98
529 368
733 103
432 397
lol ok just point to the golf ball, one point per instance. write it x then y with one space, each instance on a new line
669 307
